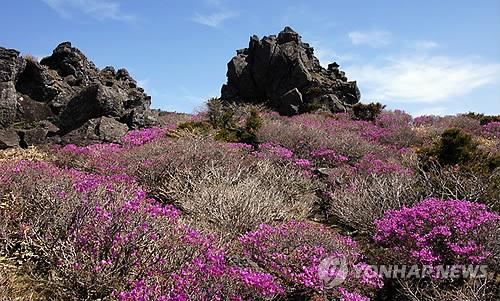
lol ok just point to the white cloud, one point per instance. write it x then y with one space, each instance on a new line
215 19
98 9
327 55
425 45
432 111
422 79
375 39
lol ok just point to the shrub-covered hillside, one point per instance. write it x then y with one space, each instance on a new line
239 203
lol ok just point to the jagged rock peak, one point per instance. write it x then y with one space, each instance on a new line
283 73
64 97
288 35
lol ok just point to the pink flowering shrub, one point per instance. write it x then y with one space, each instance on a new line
438 232
492 130
425 120
139 137
328 156
371 164
394 128
393 119
240 146
269 149
97 158
295 253
100 224
206 277
181 216
349 296
87 236
108 158
308 133
303 163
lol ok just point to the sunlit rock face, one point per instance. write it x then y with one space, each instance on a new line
283 73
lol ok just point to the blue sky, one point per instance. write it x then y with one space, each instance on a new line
425 57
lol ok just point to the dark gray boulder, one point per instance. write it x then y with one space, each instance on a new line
8 138
38 133
68 91
8 104
290 102
102 129
272 67
10 67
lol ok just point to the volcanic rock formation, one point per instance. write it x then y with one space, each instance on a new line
65 98
283 73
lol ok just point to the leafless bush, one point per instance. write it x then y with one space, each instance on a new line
475 289
225 190
464 122
16 284
455 182
232 202
359 200
402 137
170 118
304 139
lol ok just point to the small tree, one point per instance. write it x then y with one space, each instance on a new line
456 147
368 112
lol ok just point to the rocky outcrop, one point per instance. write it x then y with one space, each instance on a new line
65 97
102 129
283 73
8 138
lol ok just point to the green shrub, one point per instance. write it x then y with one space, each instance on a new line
252 126
368 112
313 92
454 167
221 115
313 106
487 119
455 147
199 128
484 119
233 123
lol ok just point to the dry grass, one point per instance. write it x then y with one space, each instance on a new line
30 57
16 285
31 154
169 118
